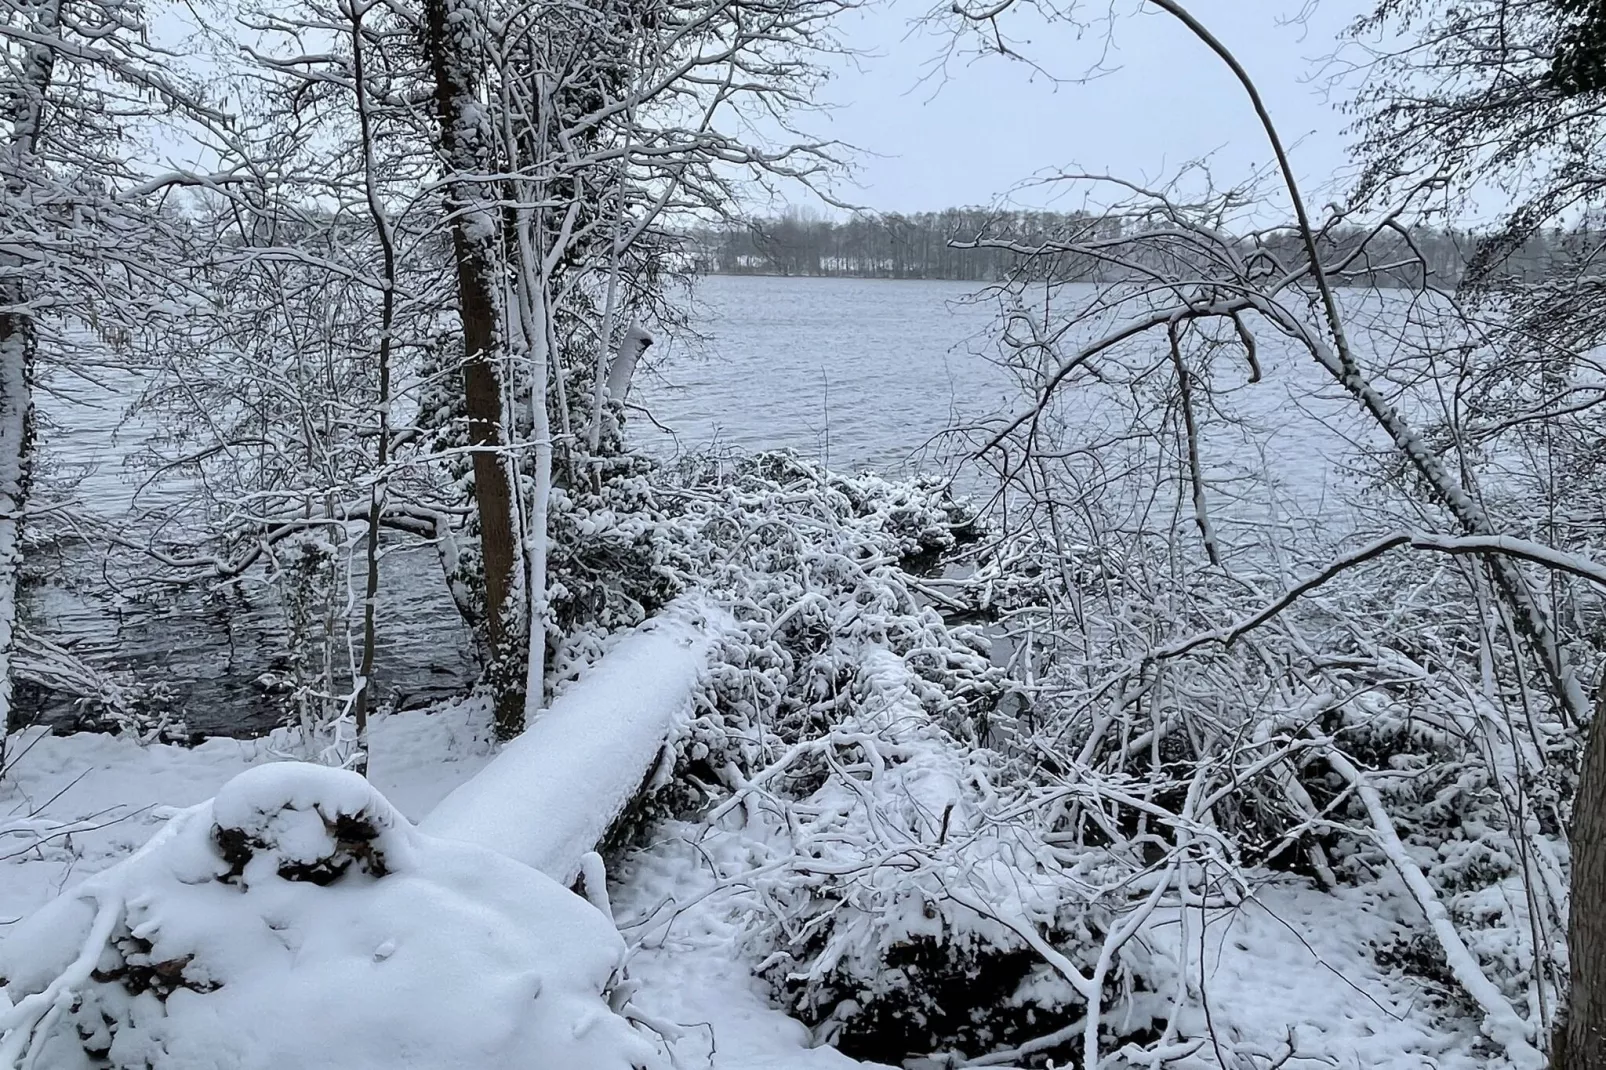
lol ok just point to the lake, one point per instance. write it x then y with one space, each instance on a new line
855 373
870 373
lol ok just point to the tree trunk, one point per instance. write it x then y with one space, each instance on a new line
536 308
555 793
1580 1039
465 146
1579 1042
17 341
622 370
16 357
387 322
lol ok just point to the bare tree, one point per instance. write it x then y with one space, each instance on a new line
1510 94
454 33
77 78
386 235
1192 286
601 122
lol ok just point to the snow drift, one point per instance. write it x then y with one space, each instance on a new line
298 920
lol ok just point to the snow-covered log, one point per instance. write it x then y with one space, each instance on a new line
622 370
552 793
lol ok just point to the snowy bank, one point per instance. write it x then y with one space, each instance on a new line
298 920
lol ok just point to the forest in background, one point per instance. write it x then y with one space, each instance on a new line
988 245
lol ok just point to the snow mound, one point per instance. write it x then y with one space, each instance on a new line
298 920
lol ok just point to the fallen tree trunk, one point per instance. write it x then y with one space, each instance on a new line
552 794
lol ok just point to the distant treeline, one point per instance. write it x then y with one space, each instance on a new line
919 246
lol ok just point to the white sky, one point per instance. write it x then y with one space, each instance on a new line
1166 101
993 123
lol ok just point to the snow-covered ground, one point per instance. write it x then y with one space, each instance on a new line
65 815
68 803
1290 964
297 919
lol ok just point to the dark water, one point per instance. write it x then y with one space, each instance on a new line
207 648
211 649
860 375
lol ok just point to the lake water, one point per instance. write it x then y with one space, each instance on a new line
856 373
870 373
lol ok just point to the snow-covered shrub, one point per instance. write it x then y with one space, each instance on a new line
906 869
1480 804
923 890
297 920
104 700
1374 732
611 564
813 566
146 709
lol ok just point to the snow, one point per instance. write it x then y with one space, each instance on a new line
460 956
420 953
550 794
686 932
1292 957
70 806
1288 957
695 979
1501 1022
300 894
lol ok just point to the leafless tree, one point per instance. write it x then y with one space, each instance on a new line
1194 294
77 78
601 122
1503 94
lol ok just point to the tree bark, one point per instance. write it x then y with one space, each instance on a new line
1579 1042
18 337
465 146
16 358
1580 1038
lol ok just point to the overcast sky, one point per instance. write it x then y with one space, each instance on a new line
991 123
1165 101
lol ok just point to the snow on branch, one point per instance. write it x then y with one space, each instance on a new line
1501 1023
1522 549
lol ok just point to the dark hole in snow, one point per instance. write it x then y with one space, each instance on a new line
943 996
354 838
138 974
235 848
